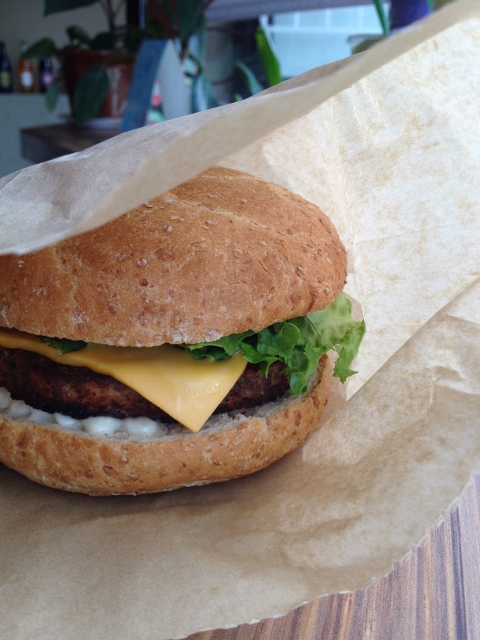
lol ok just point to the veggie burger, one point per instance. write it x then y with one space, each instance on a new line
183 343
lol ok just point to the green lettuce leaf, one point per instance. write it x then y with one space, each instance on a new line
64 345
298 343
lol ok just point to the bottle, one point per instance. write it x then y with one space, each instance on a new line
6 78
45 74
25 72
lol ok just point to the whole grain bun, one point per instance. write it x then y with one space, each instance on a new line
220 254
226 447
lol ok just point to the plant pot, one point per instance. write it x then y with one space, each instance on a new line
119 70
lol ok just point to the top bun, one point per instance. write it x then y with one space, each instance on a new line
219 254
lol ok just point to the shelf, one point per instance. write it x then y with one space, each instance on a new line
52 141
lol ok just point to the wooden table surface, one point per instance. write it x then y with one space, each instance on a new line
51 141
434 595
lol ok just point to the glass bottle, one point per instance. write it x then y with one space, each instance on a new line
25 72
45 74
6 79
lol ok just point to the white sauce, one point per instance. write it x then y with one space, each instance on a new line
95 426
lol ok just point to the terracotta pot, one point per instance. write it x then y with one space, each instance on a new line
120 72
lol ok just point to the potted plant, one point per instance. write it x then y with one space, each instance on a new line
97 71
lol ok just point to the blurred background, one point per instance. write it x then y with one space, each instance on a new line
75 72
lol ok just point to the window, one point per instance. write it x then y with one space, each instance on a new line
307 39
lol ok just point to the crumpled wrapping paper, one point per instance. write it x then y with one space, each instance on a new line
388 144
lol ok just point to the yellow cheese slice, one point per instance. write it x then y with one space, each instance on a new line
189 390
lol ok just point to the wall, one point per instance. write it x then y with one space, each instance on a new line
24 20
21 111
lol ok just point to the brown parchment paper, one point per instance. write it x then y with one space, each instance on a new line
388 144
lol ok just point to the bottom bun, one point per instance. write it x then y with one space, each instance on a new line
228 446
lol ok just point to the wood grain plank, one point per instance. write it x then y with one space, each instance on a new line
434 595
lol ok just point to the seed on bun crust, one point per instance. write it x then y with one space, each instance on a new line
220 255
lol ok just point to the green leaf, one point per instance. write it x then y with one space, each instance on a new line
268 58
279 342
367 44
91 92
217 349
77 34
382 16
298 343
55 6
190 17
249 77
333 323
104 41
53 92
64 344
347 351
44 48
